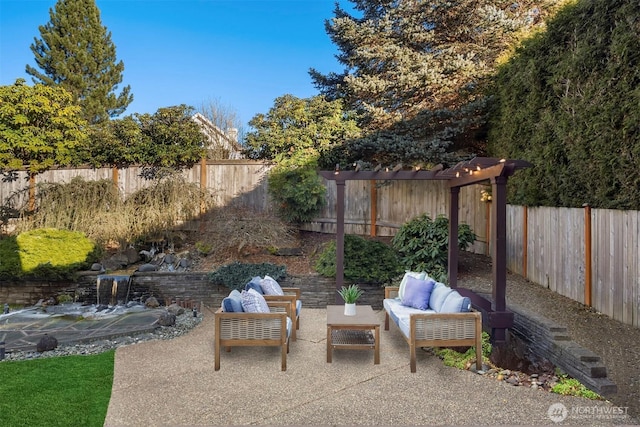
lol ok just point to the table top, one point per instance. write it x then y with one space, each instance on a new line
365 316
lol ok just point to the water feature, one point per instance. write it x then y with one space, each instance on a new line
112 289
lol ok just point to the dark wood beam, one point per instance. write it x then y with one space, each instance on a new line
453 236
475 176
382 175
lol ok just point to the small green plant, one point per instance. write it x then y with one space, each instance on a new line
365 261
567 386
459 360
63 298
423 243
237 274
350 294
203 248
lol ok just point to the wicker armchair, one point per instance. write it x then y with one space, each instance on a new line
440 330
292 296
253 329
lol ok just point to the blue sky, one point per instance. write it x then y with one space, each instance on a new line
240 54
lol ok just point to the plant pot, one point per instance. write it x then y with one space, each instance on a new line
349 309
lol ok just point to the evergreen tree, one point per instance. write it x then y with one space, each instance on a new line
75 50
415 69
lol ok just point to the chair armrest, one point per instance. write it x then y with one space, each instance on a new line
391 291
294 291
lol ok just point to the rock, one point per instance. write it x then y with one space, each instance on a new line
169 258
120 258
175 309
147 267
132 255
96 266
152 302
167 319
47 343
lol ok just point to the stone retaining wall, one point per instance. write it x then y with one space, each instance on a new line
316 291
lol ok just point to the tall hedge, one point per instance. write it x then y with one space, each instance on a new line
569 102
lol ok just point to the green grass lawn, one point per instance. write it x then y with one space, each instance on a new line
57 391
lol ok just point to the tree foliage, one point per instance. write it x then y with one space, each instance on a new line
166 139
40 127
75 50
293 134
294 124
415 70
568 102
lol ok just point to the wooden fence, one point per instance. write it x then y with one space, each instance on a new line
590 256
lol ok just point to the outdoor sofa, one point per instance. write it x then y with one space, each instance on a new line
430 314
271 290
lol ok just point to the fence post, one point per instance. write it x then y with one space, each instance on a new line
525 240
203 185
587 254
374 207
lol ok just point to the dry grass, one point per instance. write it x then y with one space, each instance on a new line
238 231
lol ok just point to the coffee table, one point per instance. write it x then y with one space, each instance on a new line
353 332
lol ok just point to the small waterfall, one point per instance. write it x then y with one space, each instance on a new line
114 294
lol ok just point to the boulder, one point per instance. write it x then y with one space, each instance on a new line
46 343
147 267
132 255
167 319
152 302
175 309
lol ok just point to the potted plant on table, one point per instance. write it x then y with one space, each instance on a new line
350 295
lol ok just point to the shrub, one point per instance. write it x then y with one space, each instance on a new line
236 275
423 244
297 189
46 254
365 261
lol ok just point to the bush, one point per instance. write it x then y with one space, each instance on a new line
236 275
297 189
365 261
46 254
423 244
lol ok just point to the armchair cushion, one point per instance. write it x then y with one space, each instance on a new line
417 293
270 286
254 302
255 285
233 302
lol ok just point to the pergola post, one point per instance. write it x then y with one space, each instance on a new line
499 258
453 236
340 185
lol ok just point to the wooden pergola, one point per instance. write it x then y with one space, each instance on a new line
495 314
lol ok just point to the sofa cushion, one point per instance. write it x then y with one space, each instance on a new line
401 314
417 293
254 302
270 286
233 302
408 274
455 303
255 285
438 296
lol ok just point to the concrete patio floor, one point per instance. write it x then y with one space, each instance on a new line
173 383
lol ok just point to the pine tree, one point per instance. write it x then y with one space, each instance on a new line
75 50
415 69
